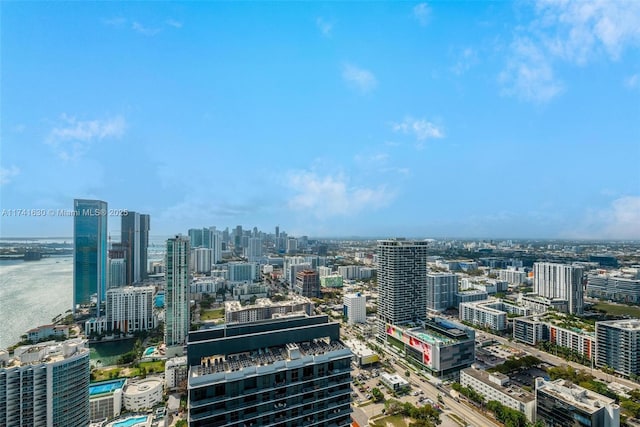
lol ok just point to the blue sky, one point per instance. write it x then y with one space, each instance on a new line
478 119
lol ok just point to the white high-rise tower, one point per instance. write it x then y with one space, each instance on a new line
176 325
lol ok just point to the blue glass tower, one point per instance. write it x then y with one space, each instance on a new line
89 252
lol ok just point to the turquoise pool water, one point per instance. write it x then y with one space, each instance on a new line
105 387
159 300
149 351
130 422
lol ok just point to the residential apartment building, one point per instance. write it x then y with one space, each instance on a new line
264 309
441 291
45 384
621 288
176 292
618 346
130 309
402 283
561 403
355 308
286 372
496 386
307 284
560 281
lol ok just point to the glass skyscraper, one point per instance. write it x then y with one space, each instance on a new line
89 252
134 230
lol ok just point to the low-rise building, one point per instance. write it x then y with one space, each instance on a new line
47 331
105 399
561 403
471 295
394 382
362 355
540 305
496 386
441 347
264 309
175 373
143 394
490 314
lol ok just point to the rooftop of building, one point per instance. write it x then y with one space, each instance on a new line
511 390
45 352
359 348
142 386
626 324
266 302
214 364
440 332
106 387
580 397
43 327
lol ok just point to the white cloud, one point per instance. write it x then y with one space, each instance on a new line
466 59
7 174
324 26
147 31
621 221
572 31
72 137
332 196
529 74
422 129
422 12
632 82
583 28
359 78
173 23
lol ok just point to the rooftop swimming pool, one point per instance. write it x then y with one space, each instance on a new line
105 386
130 422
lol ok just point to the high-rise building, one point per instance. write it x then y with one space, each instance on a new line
89 252
308 284
45 384
134 231
402 283
287 372
561 403
292 245
201 260
117 273
560 281
176 291
618 346
355 308
130 309
441 291
254 249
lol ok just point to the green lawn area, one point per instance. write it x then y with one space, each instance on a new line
618 310
155 366
214 314
106 374
394 420
109 373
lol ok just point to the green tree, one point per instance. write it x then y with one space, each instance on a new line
378 396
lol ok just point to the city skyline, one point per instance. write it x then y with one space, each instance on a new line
478 120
